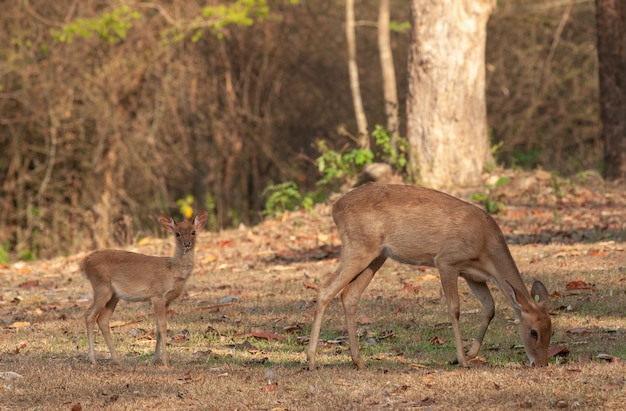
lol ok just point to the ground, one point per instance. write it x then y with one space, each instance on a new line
238 337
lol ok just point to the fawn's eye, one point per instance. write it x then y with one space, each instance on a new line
193 233
177 234
534 334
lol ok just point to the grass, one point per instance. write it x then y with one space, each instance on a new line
407 341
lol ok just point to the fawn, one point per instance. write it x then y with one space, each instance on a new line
419 226
122 275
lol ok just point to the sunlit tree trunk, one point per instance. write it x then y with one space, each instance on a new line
361 119
611 23
446 109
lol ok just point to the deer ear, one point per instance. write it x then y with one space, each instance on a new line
200 220
540 293
168 223
516 297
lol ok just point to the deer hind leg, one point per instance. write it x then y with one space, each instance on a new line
93 314
349 268
103 323
481 291
160 349
350 297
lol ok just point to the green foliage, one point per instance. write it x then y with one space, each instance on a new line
285 196
26 254
395 155
526 159
399 27
210 204
490 199
4 252
216 18
335 166
186 206
111 27
557 185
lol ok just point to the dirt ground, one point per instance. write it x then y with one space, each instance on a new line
237 339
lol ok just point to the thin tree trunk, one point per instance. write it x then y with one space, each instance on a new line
388 70
611 23
446 108
361 119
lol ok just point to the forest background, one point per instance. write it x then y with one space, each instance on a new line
111 112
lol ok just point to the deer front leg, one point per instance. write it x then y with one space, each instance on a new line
160 349
449 283
481 291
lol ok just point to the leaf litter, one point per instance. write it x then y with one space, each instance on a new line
250 303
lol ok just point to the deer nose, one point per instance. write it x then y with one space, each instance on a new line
187 244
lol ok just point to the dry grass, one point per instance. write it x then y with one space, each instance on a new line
218 364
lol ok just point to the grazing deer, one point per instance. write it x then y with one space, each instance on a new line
121 275
419 226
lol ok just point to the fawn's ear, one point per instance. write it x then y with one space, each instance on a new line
200 220
168 223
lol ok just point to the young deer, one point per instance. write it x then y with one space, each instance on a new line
415 225
121 275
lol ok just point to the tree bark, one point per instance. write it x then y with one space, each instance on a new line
611 26
353 70
390 92
446 109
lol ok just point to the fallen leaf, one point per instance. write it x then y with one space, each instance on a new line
428 277
557 350
578 285
597 253
411 288
120 324
580 330
609 358
342 382
180 338
611 386
29 284
309 285
260 334
437 340
271 387
225 243
19 324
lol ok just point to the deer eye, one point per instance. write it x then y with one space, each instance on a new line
177 234
193 232
534 334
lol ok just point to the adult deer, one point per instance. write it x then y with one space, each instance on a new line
420 226
121 275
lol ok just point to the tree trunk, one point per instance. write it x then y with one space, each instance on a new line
446 109
388 71
353 70
611 24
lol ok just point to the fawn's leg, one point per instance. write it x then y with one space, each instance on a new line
350 297
160 312
103 323
100 299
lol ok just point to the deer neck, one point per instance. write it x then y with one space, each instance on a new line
184 261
